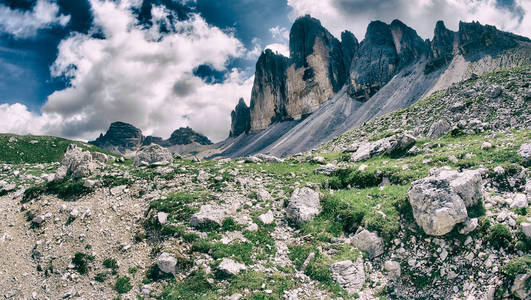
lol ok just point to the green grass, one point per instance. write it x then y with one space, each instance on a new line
499 236
195 286
66 189
177 205
81 262
518 265
47 149
123 285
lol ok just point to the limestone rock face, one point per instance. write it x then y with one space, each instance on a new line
440 201
120 138
383 52
240 119
441 47
268 96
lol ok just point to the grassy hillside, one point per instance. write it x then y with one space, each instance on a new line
16 149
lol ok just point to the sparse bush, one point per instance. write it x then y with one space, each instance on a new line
81 262
518 265
499 236
123 285
100 277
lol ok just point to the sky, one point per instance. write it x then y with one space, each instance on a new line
70 68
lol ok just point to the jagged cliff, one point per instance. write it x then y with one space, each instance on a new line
339 85
123 138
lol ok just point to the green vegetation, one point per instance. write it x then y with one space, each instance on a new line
195 286
111 264
499 236
123 285
66 189
518 265
81 262
100 277
31 149
177 206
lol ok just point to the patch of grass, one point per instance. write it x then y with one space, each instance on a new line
195 286
177 206
81 262
100 277
112 264
239 251
256 281
123 285
112 181
154 274
518 265
66 189
499 236
132 270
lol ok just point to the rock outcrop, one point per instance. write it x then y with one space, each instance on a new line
153 155
440 201
349 274
76 163
240 119
303 205
124 138
120 138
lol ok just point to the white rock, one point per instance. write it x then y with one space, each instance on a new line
470 225
263 195
267 218
350 275
525 152
393 268
499 170
519 201
369 242
76 163
521 287
439 128
74 213
486 145
153 155
231 267
440 201
303 205
167 263
208 214
269 158
526 229
162 217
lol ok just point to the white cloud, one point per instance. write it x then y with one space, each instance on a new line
280 48
140 76
279 33
24 24
355 15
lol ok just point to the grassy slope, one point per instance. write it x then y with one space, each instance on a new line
36 149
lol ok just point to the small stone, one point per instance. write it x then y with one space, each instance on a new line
369 242
166 263
267 218
470 225
393 268
74 213
162 217
486 146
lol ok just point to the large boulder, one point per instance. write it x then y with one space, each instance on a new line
207 215
349 274
153 155
391 145
439 128
369 242
303 205
75 163
440 201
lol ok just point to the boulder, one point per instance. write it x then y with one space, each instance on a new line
76 163
267 218
153 155
269 158
208 214
440 201
519 201
526 229
349 274
167 263
101 157
391 145
231 267
439 128
521 287
303 205
326 170
263 195
525 152
393 268
369 242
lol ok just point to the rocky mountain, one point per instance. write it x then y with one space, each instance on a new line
327 86
427 202
123 138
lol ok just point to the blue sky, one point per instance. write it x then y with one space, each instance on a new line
70 68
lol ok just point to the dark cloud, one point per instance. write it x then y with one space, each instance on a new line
184 87
379 7
209 74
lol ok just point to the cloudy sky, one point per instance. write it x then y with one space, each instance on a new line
70 68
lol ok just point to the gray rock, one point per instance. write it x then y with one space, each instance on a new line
390 145
38 220
369 242
350 275
269 158
267 218
494 91
486 146
440 201
153 155
521 287
393 268
525 152
231 267
76 163
167 263
519 201
253 159
326 170
101 157
208 214
303 205
439 128
263 195
526 229
470 225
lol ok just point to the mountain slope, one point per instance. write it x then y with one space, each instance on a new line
418 70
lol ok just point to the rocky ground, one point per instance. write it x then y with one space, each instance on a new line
398 208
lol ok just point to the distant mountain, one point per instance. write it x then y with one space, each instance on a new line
328 86
123 138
